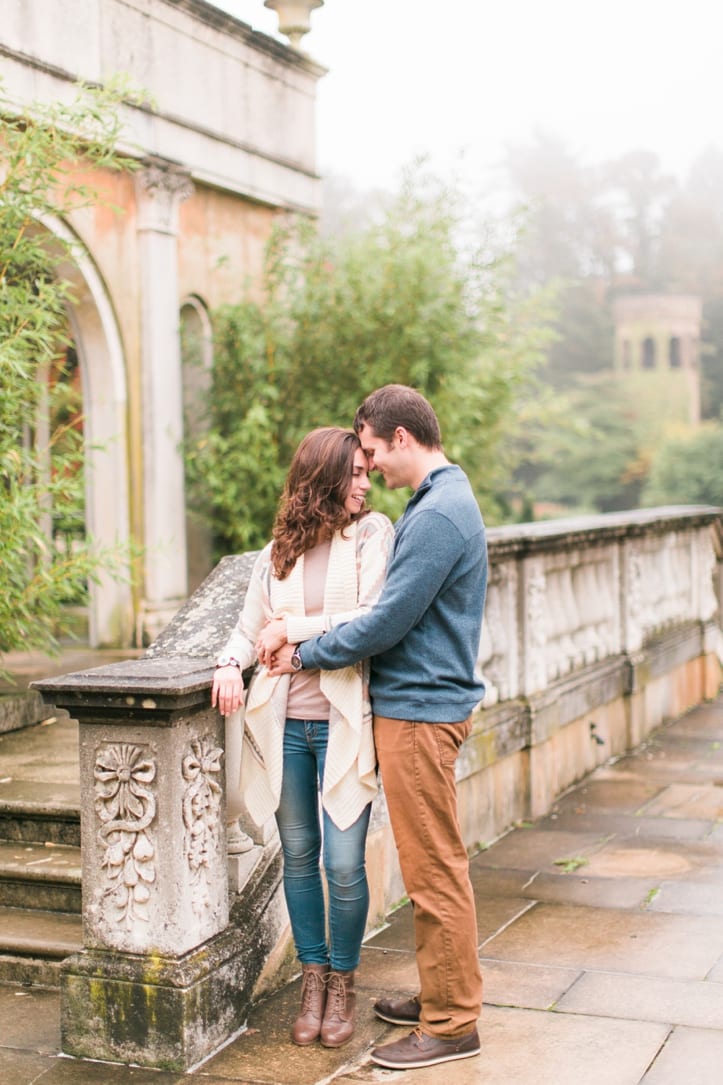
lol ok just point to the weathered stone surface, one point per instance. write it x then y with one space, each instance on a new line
166 1011
201 627
19 710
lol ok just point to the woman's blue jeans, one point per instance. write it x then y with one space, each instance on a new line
302 828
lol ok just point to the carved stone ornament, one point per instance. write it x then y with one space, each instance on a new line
126 806
201 815
156 180
160 191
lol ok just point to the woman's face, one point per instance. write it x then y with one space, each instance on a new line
359 485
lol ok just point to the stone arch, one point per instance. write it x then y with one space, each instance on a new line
97 339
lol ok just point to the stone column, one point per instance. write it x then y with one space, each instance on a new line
159 192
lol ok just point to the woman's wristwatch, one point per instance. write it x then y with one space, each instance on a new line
228 661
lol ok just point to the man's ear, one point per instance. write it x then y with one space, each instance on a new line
401 437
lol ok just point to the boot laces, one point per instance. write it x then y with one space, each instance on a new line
313 985
336 994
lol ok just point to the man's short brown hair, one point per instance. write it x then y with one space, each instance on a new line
398 405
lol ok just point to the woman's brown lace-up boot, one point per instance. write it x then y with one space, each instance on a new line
340 1014
307 1026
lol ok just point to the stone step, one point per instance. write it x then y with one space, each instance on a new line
22 708
33 943
44 877
51 816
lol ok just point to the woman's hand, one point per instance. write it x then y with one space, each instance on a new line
271 638
228 689
281 661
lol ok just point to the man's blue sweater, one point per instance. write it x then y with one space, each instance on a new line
423 634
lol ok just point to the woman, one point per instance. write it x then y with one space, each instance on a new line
325 564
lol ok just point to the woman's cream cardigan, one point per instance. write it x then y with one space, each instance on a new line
354 579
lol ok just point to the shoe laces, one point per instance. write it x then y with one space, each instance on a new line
336 994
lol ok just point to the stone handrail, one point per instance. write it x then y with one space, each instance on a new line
565 594
596 630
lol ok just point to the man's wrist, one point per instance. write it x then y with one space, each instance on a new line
297 663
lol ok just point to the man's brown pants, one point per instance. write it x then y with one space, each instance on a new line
417 762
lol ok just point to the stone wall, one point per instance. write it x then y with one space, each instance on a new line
222 125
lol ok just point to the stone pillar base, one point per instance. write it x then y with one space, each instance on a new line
159 1012
172 1013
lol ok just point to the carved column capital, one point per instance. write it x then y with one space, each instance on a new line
160 190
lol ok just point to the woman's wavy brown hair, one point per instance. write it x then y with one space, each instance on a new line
312 503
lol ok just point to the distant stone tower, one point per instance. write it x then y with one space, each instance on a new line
657 345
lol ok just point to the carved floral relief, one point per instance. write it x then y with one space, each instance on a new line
201 815
126 806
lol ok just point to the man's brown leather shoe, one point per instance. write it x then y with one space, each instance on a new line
418 1050
398 1011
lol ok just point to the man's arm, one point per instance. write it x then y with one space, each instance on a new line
419 567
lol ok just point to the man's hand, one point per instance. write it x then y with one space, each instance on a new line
271 638
228 689
281 661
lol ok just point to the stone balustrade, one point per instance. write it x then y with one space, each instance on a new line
597 630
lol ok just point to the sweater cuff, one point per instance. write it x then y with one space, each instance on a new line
300 629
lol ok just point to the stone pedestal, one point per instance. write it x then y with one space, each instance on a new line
163 979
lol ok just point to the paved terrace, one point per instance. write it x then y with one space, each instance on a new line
601 941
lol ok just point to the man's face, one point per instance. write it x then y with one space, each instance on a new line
386 457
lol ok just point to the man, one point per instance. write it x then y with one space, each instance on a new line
423 639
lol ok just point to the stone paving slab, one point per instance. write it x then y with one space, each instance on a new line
688 801
628 826
692 1056
598 938
614 793
534 850
632 858
536 987
698 1004
597 892
688 898
30 1019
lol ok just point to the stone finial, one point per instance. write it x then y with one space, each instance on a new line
294 17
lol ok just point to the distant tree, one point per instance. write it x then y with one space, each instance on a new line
43 154
688 470
397 300
591 460
691 235
640 194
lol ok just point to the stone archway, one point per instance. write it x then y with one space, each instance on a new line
98 343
